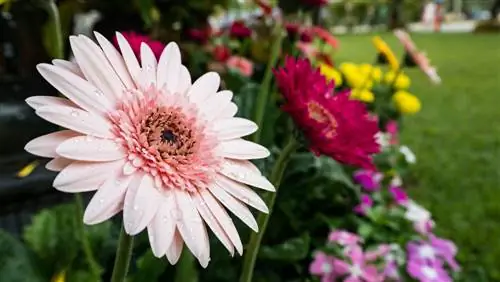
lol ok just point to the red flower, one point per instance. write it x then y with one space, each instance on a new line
239 30
267 9
135 40
200 35
221 53
306 36
292 29
315 3
326 36
334 125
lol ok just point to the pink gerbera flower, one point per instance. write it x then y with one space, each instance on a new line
167 152
333 124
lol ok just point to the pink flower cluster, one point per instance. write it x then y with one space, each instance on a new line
352 264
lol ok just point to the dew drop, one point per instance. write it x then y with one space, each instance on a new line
101 201
136 207
98 93
74 113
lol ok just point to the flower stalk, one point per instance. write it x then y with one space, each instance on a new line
123 256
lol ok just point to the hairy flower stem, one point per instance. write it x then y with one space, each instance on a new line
123 256
253 246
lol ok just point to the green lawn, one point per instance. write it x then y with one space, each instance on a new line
456 138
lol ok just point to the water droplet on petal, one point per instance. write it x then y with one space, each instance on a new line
74 113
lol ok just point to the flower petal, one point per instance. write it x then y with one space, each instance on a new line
37 102
245 172
148 71
85 176
131 62
184 81
175 249
242 193
168 74
116 60
161 229
69 66
212 222
45 146
235 206
213 105
227 112
204 87
223 219
108 200
141 203
242 150
58 164
77 89
76 119
232 128
191 227
88 148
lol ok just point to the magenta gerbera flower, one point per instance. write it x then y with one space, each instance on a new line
135 41
166 151
333 124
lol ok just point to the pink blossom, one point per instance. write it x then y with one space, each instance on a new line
393 129
446 249
322 266
366 204
343 238
436 249
357 269
433 272
381 251
399 195
243 65
135 40
368 179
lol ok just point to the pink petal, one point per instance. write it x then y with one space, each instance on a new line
245 172
75 88
242 150
235 206
161 229
141 203
169 73
76 119
108 200
232 128
212 222
58 164
116 60
37 102
223 219
85 176
242 193
129 57
184 81
45 146
69 66
88 148
228 111
213 105
148 71
175 249
204 87
191 227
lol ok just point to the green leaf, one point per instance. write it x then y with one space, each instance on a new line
16 264
334 171
145 8
80 276
149 268
365 230
291 250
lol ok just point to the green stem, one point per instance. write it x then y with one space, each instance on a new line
263 95
253 246
95 268
123 256
53 11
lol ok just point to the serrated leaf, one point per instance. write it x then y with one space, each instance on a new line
291 250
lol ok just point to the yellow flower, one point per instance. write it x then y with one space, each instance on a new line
27 170
355 77
402 81
59 277
330 74
385 50
406 103
375 72
363 95
348 68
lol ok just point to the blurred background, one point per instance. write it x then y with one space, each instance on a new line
456 136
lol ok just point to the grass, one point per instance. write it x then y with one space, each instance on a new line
456 138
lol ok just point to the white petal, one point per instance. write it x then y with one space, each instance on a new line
235 206
148 71
168 74
45 146
88 148
223 218
85 176
191 227
67 65
161 230
229 111
232 128
204 87
108 200
129 57
76 119
242 150
245 172
116 60
184 81
58 164
141 204
242 193
77 89
212 222
211 108
37 102
175 249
